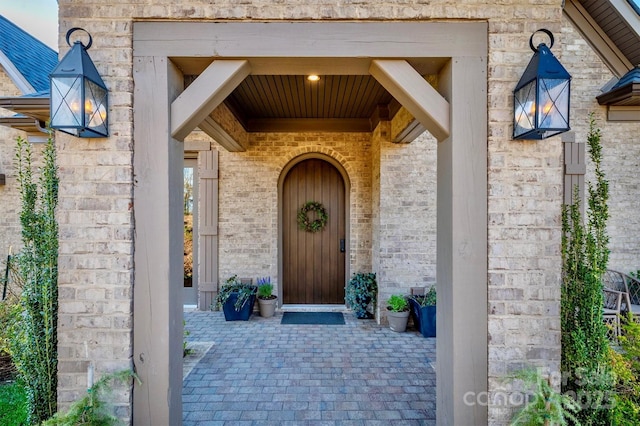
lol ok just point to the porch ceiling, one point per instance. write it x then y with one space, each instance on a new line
346 98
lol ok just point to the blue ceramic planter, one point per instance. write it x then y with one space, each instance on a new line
424 317
230 313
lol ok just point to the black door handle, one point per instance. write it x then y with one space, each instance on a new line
342 245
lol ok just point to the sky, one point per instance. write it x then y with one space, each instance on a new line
37 17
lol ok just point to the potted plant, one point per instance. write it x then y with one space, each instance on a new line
266 300
397 312
423 312
237 299
362 291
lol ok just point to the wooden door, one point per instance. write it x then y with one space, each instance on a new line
313 262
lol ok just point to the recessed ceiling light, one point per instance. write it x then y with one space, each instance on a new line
313 77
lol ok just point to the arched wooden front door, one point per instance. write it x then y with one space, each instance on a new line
313 262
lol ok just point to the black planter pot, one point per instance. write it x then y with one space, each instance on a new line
424 317
230 313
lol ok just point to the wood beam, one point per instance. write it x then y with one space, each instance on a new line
414 93
157 196
413 129
311 40
203 95
213 129
461 369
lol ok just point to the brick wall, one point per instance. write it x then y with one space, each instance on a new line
524 185
248 198
620 153
9 193
407 217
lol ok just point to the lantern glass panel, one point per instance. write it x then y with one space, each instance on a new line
95 107
66 94
554 104
525 108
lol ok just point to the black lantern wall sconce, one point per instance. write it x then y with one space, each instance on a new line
79 97
541 97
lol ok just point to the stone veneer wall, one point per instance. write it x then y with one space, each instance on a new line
524 185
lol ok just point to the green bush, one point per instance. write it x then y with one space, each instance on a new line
585 348
361 291
91 410
13 404
625 364
546 406
398 303
33 335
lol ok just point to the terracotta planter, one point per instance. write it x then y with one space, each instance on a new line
267 307
398 320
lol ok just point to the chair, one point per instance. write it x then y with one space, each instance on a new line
611 311
628 286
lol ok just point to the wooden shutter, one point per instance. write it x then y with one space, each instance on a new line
575 168
207 228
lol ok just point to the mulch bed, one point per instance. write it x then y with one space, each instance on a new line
7 369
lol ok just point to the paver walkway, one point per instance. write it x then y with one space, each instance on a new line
260 372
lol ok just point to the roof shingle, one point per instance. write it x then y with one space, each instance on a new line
32 58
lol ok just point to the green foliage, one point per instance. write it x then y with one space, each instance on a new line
546 406
585 348
362 290
305 223
234 285
13 404
428 299
185 345
33 341
265 289
91 410
398 303
626 370
10 308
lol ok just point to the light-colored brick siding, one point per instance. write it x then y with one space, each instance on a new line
9 193
620 153
248 198
524 184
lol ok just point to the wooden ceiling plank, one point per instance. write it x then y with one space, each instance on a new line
415 94
208 91
326 95
295 125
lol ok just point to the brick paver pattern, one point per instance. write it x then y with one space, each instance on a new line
260 372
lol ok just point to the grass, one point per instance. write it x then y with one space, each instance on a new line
13 404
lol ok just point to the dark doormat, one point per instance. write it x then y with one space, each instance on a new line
324 318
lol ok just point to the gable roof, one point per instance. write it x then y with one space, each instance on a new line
26 59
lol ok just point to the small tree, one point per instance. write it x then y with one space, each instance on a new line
34 335
585 255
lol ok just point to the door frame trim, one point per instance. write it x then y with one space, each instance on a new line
347 211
